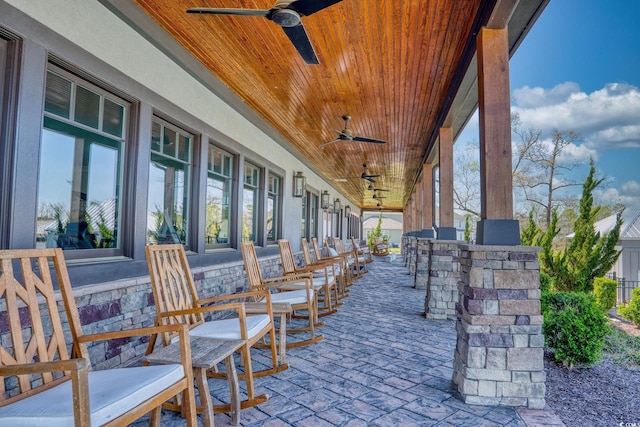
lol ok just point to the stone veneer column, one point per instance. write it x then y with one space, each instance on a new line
421 276
413 247
443 278
499 352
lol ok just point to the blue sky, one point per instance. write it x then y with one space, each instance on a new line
579 69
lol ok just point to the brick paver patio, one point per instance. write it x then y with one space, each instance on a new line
381 363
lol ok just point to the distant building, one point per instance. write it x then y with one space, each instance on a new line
628 265
390 227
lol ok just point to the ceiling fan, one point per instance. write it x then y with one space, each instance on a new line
372 188
366 176
377 197
285 13
346 135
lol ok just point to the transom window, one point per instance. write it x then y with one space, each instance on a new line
81 157
218 203
168 199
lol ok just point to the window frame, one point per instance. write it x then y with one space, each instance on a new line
232 194
189 185
125 145
277 206
257 222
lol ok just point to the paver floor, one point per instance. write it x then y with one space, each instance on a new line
381 363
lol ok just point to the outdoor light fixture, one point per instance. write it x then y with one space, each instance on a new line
347 210
324 200
299 184
337 206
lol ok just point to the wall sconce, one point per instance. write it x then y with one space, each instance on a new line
347 211
337 206
324 200
299 184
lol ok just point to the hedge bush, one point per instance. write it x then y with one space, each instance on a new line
574 327
631 311
606 292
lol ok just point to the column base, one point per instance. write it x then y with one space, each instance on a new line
447 233
427 233
498 232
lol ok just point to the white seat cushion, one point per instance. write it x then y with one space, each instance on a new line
333 252
292 297
229 329
302 284
112 392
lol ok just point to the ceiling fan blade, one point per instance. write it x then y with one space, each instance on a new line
308 7
242 12
330 142
363 139
300 40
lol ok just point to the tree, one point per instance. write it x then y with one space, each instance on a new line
376 232
589 255
466 191
543 176
529 236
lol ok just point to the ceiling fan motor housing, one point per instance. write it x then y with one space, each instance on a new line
285 17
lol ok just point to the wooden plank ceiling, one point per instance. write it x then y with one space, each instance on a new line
390 65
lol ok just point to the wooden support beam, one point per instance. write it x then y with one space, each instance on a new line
495 124
427 196
497 226
445 155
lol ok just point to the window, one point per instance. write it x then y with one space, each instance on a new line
250 203
168 200
309 220
313 215
273 209
303 218
81 157
218 204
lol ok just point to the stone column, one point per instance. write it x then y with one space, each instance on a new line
499 352
413 247
421 276
443 278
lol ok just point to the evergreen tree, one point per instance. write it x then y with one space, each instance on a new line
589 255
467 228
529 235
376 232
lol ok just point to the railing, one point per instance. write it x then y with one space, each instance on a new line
624 289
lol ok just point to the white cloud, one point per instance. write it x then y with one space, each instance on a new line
606 118
627 195
578 153
528 97
631 187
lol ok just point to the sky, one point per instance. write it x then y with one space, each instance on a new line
579 69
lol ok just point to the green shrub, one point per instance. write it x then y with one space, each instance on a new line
631 311
606 292
574 327
546 283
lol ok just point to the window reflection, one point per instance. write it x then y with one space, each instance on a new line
250 206
273 202
218 204
168 197
78 206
